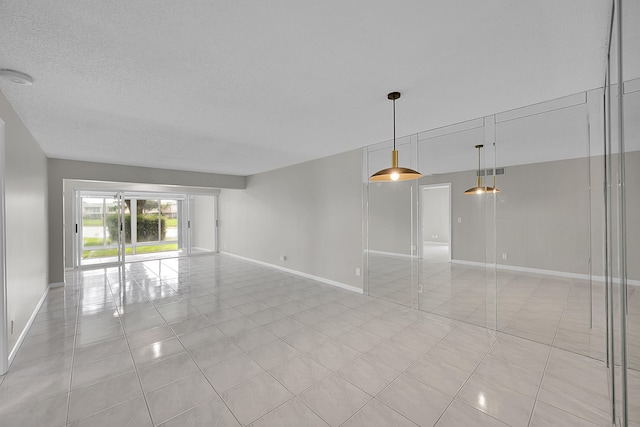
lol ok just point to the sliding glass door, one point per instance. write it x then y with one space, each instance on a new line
152 224
112 225
100 228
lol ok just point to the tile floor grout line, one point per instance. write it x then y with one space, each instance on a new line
209 382
374 397
135 368
190 357
200 369
400 374
469 377
73 351
521 307
296 396
544 372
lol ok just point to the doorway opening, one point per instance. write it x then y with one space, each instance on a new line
435 222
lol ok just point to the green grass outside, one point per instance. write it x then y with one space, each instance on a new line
94 241
98 253
97 222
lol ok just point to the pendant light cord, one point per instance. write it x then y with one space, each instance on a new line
394 125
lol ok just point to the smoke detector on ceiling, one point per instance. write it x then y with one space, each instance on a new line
16 77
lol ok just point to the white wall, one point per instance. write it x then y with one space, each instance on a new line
311 213
26 221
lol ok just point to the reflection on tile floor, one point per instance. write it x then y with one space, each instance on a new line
546 309
213 340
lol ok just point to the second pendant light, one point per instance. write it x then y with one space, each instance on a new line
479 189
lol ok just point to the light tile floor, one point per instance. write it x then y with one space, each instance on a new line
216 341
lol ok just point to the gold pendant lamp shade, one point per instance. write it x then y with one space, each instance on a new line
479 189
394 173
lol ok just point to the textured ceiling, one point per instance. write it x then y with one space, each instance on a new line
245 87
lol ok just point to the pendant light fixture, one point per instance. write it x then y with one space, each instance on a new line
394 173
479 189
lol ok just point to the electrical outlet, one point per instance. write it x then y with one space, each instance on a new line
504 256
459 219
357 271
283 257
420 288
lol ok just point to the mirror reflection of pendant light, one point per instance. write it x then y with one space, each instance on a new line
479 189
493 189
394 173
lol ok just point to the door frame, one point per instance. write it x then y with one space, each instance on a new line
421 197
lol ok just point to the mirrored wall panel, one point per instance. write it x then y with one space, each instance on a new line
391 220
529 252
527 222
428 244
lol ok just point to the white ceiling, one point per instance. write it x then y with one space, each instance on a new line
245 87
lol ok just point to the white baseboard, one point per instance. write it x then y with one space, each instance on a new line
25 331
56 285
394 254
297 273
540 271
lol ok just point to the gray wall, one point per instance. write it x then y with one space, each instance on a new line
390 228
26 220
60 170
311 213
632 175
469 236
541 216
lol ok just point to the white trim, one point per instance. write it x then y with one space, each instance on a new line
540 271
542 107
394 254
451 129
298 273
631 86
56 285
25 331
4 335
